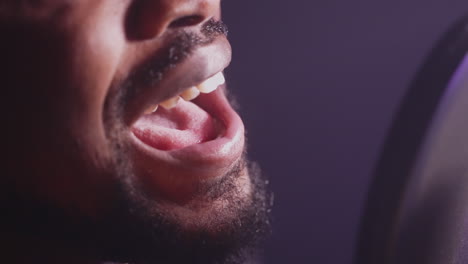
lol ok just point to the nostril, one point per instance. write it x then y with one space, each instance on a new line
186 21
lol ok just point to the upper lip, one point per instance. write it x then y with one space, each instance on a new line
202 63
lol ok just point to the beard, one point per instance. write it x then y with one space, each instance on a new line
141 230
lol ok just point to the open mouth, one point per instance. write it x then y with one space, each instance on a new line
185 125
185 119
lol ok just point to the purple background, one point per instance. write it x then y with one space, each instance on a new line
319 82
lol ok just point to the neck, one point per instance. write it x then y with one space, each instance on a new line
21 250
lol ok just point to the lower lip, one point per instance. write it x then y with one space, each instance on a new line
210 156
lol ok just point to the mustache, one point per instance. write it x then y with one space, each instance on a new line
152 70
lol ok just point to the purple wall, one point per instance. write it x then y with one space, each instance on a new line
319 81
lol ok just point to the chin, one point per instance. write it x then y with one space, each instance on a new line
224 222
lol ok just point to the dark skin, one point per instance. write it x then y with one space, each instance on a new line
78 76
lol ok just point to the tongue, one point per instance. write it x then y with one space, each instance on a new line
180 127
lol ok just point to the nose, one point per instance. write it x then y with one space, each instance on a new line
151 18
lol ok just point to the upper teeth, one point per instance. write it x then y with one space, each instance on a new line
190 94
170 103
212 83
208 86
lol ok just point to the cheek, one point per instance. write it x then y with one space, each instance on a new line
95 51
58 80
95 61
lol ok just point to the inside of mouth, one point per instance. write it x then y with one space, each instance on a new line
182 126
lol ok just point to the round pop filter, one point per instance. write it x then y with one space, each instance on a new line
417 206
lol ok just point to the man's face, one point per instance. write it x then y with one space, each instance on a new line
86 152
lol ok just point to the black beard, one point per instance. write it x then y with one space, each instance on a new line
138 232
